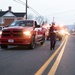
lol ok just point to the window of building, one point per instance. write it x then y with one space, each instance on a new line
1 21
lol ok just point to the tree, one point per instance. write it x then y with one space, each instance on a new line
30 16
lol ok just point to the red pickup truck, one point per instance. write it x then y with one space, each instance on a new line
22 32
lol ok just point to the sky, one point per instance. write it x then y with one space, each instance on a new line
62 11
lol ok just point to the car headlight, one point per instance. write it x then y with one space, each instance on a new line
62 31
0 32
27 33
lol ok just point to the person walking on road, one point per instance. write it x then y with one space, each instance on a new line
52 35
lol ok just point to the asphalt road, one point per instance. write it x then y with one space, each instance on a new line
23 61
67 63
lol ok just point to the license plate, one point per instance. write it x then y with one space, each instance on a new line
11 40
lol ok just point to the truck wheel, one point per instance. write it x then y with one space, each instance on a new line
32 44
47 38
4 46
43 40
60 39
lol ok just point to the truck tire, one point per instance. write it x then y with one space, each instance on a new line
4 46
43 40
47 38
32 44
60 39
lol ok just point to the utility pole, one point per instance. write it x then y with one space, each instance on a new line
26 9
53 19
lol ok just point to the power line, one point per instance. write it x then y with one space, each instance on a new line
21 2
40 16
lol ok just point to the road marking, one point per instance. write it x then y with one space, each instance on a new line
54 67
42 69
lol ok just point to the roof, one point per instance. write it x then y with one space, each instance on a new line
17 14
2 13
25 20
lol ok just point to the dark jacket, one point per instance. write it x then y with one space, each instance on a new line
51 32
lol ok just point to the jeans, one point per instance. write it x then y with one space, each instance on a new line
52 42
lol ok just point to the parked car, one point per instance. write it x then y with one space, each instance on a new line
60 32
46 28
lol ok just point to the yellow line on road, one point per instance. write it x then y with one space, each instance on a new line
54 67
42 69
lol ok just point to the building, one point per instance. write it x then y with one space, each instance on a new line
7 17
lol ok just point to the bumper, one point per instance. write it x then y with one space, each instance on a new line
15 41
